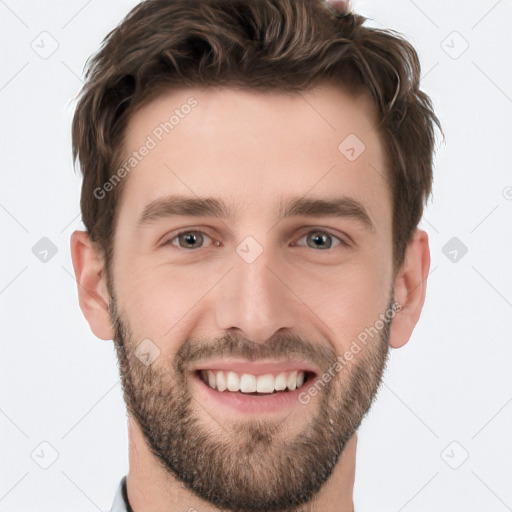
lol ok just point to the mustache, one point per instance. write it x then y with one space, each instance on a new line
286 345
280 346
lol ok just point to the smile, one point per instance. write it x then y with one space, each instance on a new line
249 387
253 384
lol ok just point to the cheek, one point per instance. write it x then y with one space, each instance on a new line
158 299
349 300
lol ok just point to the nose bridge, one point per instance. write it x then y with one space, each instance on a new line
253 297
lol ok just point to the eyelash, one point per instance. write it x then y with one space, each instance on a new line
342 243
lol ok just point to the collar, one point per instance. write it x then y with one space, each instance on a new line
121 503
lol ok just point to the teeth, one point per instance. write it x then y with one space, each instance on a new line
221 381
233 381
248 383
292 381
280 383
265 384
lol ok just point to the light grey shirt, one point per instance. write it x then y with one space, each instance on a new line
121 498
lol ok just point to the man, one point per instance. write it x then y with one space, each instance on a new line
254 174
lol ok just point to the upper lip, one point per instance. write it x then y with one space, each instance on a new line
257 368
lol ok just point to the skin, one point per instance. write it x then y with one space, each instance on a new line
251 149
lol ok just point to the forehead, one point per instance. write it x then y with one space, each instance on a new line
253 149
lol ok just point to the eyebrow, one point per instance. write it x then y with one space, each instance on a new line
179 205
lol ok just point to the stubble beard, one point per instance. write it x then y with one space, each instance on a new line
249 465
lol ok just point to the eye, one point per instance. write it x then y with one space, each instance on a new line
319 239
190 239
315 239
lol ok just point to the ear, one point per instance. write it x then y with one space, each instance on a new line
410 288
91 280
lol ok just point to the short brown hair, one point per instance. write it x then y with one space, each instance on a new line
285 45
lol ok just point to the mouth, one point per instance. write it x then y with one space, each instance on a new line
255 385
252 388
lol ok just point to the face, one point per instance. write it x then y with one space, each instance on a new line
253 250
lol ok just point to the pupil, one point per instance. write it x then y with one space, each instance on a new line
319 238
190 238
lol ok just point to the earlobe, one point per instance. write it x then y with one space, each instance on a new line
91 281
410 288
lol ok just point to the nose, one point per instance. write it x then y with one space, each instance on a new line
255 298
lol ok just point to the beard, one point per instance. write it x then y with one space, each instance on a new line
256 464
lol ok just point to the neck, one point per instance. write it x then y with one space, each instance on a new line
151 488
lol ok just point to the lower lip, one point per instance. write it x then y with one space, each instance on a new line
255 404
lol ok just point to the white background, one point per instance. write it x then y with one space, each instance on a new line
448 392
